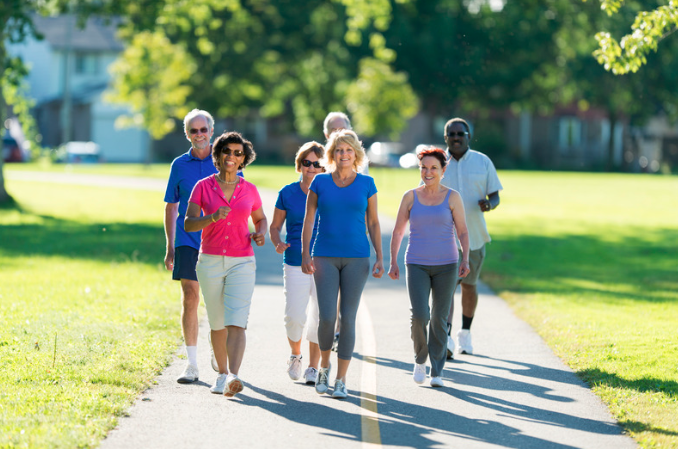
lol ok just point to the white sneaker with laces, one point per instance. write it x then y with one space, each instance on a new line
450 348
189 375
437 382
311 375
294 367
219 384
340 391
322 384
464 341
233 386
419 373
213 359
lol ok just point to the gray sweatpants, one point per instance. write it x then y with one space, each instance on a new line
439 281
334 275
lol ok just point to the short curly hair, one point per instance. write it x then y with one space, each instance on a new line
344 136
305 150
433 152
233 137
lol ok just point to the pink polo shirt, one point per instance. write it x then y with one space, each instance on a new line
229 236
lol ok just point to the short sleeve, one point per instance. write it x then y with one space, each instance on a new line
493 183
256 200
372 187
172 191
196 194
280 202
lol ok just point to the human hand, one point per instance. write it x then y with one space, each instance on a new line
378 269
222 212
485 205
281 247
394 272
307 266
258 238
464 269
169 259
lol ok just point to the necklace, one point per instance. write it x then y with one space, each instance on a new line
343 183
226 182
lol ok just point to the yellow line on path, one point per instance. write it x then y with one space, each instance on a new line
369 421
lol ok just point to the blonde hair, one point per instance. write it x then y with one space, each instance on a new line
305 150
344 136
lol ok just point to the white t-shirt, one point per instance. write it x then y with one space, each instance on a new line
474 177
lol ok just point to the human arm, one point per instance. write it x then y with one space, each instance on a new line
194 222
279 216
170 223
489 203
260 225
459 216
399 232
307 232
374 229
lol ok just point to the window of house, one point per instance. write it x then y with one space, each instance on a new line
570 133
86 64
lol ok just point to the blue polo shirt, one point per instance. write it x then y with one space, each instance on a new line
185 172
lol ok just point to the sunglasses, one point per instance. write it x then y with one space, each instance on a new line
196 131
236 153
457 134
307 163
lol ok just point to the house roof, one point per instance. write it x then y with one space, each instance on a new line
97 34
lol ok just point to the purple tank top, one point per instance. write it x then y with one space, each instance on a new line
432 238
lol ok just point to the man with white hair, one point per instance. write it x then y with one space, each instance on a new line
182 247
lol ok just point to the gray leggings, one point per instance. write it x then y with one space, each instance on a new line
439 281
332 276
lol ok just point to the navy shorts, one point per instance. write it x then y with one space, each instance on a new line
185 259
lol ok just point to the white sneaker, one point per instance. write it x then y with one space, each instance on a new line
450 348
322 384
213 360
437 382
294 367
340 391
189 375
233 386
219 384
419 373
311 375
464 341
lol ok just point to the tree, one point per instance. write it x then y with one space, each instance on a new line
648 30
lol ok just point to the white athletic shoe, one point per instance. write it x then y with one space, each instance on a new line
419 373
219 384
189 375
464 341
311 375
437 382
450 348
294 367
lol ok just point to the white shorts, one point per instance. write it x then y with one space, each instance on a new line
299 288
227 285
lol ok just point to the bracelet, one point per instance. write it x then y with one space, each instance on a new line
212 216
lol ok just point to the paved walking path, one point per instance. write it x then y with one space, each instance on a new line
514 392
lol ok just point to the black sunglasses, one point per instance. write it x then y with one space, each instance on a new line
195 131
458 133
236 153
307 163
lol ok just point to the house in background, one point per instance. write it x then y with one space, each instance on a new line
80 83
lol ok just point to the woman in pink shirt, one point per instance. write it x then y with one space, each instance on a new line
226 266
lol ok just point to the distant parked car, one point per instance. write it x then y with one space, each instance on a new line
80 153
410 160
11 151
385 154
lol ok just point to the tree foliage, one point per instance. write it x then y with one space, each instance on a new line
649 28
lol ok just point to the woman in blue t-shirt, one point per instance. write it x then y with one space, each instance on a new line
343 199
298 287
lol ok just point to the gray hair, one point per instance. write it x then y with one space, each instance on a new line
197 113
331 116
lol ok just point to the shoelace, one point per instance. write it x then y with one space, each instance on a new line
323 376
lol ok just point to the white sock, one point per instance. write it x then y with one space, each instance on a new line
192 353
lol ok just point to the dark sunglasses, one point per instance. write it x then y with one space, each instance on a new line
307 163
236 153
195 131
457 134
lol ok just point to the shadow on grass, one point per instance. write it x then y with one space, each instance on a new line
597 377
640 267
111 242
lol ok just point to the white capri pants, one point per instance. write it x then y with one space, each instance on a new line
298 288
227 285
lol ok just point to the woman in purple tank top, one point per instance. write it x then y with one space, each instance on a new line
435 212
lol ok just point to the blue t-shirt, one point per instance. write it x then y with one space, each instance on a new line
341 216
292 200
185 172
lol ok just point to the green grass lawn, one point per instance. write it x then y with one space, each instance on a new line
589 260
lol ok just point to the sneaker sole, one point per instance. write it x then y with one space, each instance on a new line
234 388
339 395
186 380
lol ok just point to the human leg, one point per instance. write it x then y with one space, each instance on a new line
210 271
443 281
469 300
419 287
326 278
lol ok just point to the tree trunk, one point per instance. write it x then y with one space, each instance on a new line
4 196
